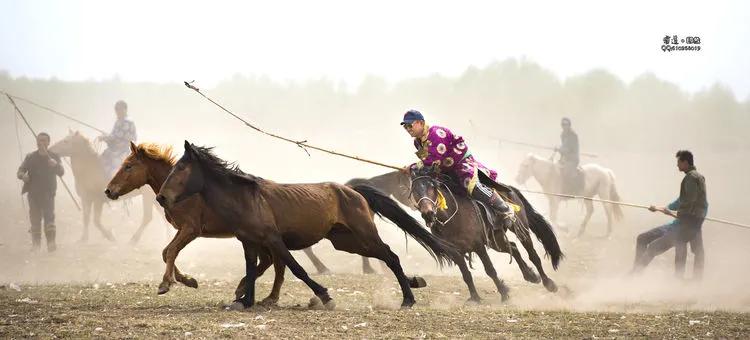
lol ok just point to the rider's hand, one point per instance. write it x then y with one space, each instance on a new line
406 170
652 208
25 178
52 163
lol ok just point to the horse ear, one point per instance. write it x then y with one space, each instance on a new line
133 148
188 148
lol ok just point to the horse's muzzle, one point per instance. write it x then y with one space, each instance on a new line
162 200
429 218
111 194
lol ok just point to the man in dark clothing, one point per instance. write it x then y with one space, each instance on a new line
691 208
38 172
569 158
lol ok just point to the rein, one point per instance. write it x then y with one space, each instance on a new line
437 201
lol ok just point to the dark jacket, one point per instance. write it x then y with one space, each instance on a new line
693 203
569 148
42 179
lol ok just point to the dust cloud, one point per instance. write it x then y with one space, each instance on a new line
635 129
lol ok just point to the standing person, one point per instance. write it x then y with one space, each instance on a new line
569 158
691 208
118 141
438 148
38 172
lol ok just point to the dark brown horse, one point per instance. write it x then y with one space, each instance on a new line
149 164
471 229
398 184
279 217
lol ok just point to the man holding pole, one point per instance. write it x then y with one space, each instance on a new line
691 208
38 172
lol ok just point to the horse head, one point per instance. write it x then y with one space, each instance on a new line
72 144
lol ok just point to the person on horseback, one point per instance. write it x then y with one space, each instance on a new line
440 149
569 158
118 141
691 208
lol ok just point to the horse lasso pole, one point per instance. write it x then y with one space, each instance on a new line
54 111
65 185
628 205
543 147
304 145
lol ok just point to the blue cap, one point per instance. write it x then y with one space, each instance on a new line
411 116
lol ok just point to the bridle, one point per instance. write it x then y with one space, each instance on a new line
435 201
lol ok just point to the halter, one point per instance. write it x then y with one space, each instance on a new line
434 202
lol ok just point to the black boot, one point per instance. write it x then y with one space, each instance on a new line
491 198
50 233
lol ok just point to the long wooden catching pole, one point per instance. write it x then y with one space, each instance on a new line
304 146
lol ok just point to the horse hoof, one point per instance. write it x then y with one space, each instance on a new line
368 271
236 306
417 282
324 271
330 305
407 304
269 301
475 301
163 288
315 303
190 282
133 241
550 285
530 276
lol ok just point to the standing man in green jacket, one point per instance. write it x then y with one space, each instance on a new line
691 208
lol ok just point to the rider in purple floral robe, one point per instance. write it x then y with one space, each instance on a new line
439 148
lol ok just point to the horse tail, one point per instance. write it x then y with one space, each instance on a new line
615 196
442 251
542 229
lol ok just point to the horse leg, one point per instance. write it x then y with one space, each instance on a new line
251 274
546 281
148 215
86 218
322 269
366 267
528 273
169 255
264 262
554 205
279 268
279 250
589 211
369 244
604 194
98 221
490 270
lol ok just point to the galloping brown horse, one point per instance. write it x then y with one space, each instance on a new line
280 217
470 229
149 164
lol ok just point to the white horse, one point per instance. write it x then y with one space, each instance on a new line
598 181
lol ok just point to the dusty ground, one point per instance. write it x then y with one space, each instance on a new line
109 290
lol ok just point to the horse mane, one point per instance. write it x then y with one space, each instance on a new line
216 165
157 152
88 144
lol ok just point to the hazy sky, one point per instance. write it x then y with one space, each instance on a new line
346 40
